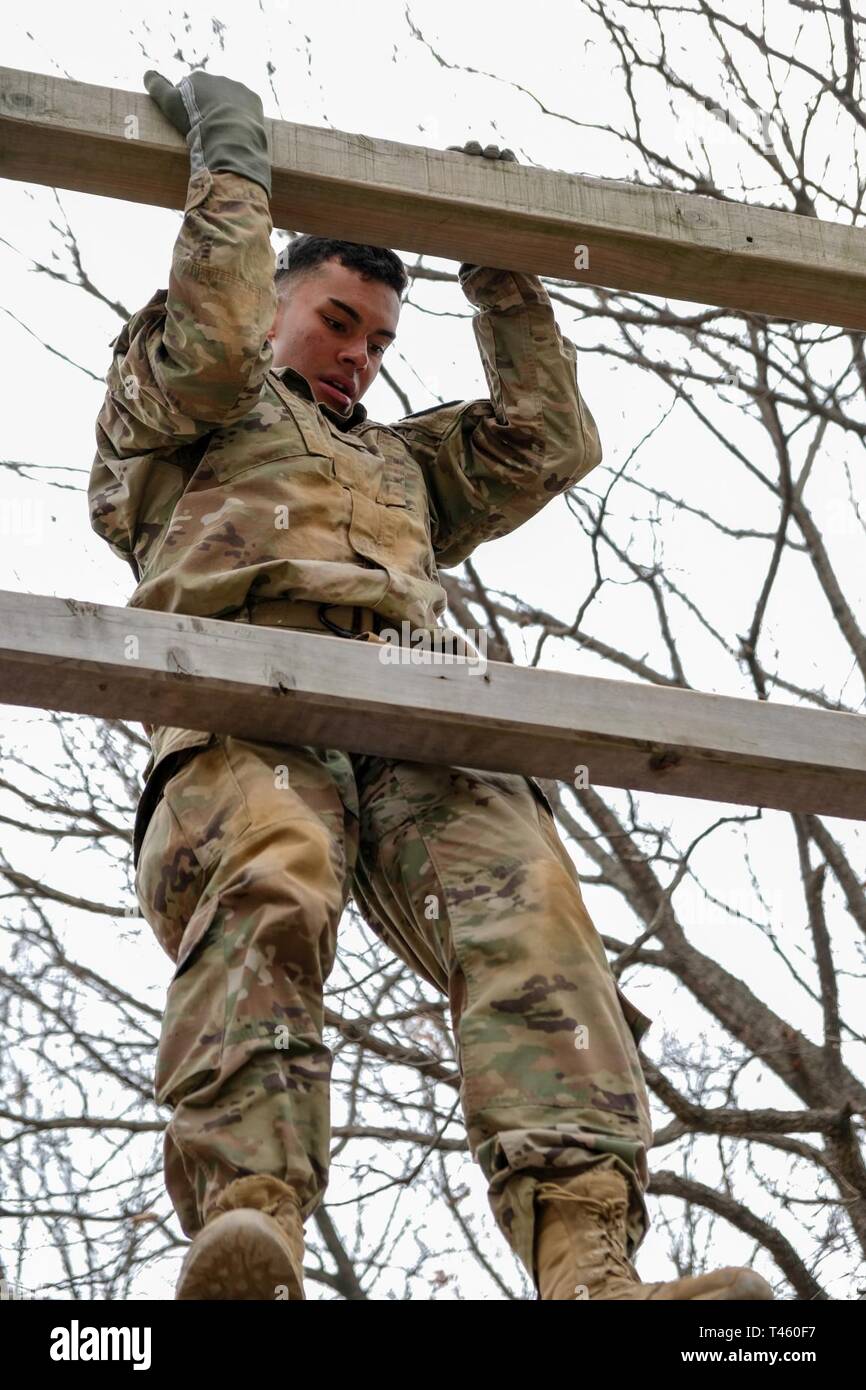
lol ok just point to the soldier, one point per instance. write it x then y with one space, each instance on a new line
238 473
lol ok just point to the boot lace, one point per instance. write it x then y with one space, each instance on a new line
610 1214
261 1192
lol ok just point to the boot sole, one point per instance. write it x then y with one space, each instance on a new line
242 1255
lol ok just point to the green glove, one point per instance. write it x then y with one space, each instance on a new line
222 120
489 151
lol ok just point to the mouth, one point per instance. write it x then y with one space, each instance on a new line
339 390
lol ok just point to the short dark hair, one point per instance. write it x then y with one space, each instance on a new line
371 262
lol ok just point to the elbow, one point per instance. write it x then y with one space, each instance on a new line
213 353
592 454
218 382
589 454
570 464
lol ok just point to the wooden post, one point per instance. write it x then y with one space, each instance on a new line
295 687
677 245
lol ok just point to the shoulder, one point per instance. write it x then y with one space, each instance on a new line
152 312
439 421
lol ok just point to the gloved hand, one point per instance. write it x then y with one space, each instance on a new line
489 151
222 120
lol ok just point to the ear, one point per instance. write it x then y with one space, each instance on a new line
271 333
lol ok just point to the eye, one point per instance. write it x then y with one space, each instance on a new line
379 347
333 323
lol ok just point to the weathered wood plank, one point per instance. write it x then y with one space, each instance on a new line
293 687
682 246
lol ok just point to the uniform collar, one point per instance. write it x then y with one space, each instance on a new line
295 382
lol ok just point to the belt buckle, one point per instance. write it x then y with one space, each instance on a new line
372 633
357 632
334 627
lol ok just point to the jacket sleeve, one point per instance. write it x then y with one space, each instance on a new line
194 358
198 358
490 465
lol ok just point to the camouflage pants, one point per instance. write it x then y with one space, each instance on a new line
244 871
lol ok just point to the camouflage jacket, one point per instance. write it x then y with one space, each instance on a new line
222 481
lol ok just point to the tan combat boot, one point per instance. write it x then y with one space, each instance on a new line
581 1248
251 1245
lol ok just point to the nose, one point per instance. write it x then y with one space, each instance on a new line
356 353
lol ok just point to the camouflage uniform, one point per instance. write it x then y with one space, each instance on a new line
234 495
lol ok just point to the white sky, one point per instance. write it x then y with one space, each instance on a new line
359 69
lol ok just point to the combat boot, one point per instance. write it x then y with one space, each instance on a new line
251 1245
581 1248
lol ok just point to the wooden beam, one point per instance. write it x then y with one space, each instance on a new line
677 245
300 688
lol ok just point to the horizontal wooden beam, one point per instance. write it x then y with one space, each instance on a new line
677 245
299 688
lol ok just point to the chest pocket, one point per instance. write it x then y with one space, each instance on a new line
401 482
403 499
394 490
279 425
372 464
355 460
357 466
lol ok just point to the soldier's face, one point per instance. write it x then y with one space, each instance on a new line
334 328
